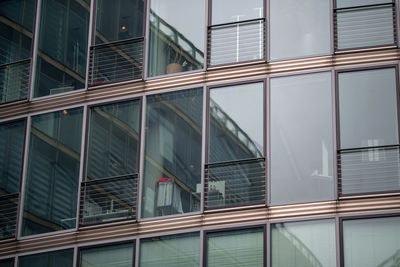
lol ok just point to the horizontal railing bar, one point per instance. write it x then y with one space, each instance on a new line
236 22
368 147
364 6
114 43
15 62
233 162
112 178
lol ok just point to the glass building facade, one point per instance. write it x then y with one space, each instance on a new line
199 133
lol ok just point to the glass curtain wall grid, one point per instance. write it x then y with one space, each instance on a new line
235 32
369 154
364 24
109 190
176 36
117 51
16 35
62 47
235 169
12 143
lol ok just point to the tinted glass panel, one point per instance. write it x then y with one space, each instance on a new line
224 11
300 28
113 140
176 36
301 138
371 242
309 243
170 251
352 3
61 258
236 122
368 108
118 20
11 151
53 172
110 256
172 168
7 263
236 248
63 41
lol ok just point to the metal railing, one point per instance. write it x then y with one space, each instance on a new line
236 42
14 81
108 199
234 183
116 61
365 26
8 215
369 170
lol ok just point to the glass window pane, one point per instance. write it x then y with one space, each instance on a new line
63 42
368 108
118 20
12 137
365 27
109 256
236 248
170 251
176 36
113 140
224 11
61 258
300 28
353 3
7 263
53 172
301 138
371 242
236 122
310 243
172 167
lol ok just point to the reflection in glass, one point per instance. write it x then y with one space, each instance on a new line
300 28
11 150
176 36
371 242
63 42
172 167
353 3
16 19
236 122
113 140
310 243
118 20
60 258
53 172
368 108
109 256
301 139
7 263
236 248
224 11
170 251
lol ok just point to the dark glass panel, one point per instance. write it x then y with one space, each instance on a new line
109 256
63 41
61 258
7 263
172 168
170 251
118 20
53 172
236 248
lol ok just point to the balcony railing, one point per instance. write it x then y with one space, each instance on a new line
365 26
116 61
236 42
107 200
369 170
235 183
14 81
8 215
